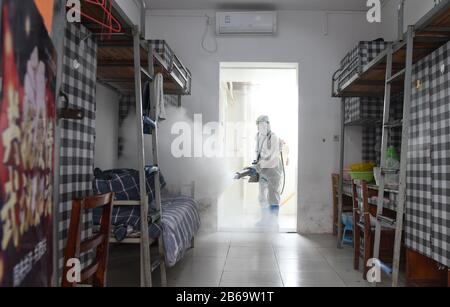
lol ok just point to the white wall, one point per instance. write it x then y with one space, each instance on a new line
301 40
106 128
131 9
414 10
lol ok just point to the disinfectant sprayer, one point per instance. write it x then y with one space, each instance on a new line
254 176
250 172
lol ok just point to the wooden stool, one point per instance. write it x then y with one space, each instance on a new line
94 274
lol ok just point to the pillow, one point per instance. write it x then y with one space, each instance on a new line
125 184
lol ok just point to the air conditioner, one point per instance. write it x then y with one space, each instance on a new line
262 23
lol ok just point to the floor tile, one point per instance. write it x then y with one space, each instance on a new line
331 253
210 251
312 279
252 285
197 275
298 253
321 240
247 251
261 264
251 277
304 265
216 237
249 260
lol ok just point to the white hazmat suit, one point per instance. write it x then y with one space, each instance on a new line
270 168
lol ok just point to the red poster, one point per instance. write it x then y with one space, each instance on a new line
27 124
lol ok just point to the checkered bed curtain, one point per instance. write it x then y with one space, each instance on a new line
77 136
372 130
359 56
167 54
369 145
440 153
428 182
363 110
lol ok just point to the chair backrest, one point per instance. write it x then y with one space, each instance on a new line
95 273
361 195
335 189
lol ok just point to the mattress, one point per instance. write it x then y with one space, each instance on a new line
180 223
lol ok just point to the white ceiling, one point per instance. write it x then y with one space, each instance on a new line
326 5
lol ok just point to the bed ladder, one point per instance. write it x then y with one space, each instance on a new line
147 266
387 125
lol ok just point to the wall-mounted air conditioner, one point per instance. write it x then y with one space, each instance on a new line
235 23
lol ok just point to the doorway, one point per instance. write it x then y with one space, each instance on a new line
248 90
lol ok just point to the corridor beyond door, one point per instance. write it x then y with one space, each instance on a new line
247 91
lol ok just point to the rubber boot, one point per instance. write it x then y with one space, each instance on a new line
274 213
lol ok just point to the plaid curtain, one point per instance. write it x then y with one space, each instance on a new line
77 136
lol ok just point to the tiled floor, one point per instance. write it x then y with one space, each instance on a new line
250 260
246 223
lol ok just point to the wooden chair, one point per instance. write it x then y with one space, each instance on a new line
364 232
94 274
335 191
346 206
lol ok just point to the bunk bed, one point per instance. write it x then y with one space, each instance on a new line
430 32
126 61
416 66
115 66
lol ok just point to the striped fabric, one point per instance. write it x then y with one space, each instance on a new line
180 223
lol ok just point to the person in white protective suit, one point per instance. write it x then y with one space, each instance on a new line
269 165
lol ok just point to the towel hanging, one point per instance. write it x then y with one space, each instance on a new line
158 97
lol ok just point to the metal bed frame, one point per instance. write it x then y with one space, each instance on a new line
391 72
140 64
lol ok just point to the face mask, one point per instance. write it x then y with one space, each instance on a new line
263 128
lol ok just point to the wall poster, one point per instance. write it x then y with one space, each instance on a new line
27 124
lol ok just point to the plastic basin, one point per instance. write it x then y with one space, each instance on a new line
366 176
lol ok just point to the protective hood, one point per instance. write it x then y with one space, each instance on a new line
263 125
